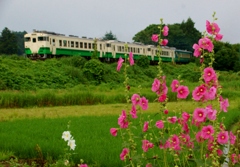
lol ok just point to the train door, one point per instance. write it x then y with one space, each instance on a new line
53 46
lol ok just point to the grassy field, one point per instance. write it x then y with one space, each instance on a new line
21 130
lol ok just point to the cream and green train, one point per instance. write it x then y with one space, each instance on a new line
44 44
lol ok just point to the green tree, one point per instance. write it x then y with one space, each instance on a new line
227 57
20 41
182 36
8 42
144 36
109 36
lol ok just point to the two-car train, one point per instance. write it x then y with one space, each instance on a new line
45 44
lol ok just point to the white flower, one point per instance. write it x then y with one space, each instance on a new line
71 144
66 135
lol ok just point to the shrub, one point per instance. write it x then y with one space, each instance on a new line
143 62
94 70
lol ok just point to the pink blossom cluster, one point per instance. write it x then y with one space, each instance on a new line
235 158
160 88
163 42
205 43
120 61
208 133
182 91
123 119
208 90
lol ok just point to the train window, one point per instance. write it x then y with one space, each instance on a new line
42 38
60 42
134 50
64 43
72 44
123 48
149 49
68 44
89 45
27 39
143 51
119 48
85 45
53 42
100 46
113 47
138 50
108 45
76 44
81 45
34 40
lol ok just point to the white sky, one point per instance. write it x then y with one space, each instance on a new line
93 18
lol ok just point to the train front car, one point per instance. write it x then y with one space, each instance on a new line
37 45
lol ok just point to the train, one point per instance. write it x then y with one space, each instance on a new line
41 44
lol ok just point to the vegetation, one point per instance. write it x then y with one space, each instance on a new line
76 81
181 36
109 36
88 124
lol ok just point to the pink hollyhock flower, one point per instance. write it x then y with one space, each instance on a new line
212 93
131 60
123 154
146 145
122 120
218 37
199 92
172 119
232 138
209 74
174 85
185 116
199 138
154 37
149 165
224 105
144 103
162 98
199 114
165 31
219 152
207 132
113 131
197 50
165 112
183 92
120 61
160 124
155 85
174 142
135 99
185 138
212 28
234 158
133 112
145 126
83 165
206 43
185 127
164 42
211 114
222 137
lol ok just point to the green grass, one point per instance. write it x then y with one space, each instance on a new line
20 133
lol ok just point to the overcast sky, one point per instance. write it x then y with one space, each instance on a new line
93 18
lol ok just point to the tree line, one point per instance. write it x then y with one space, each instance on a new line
181 36
12 42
